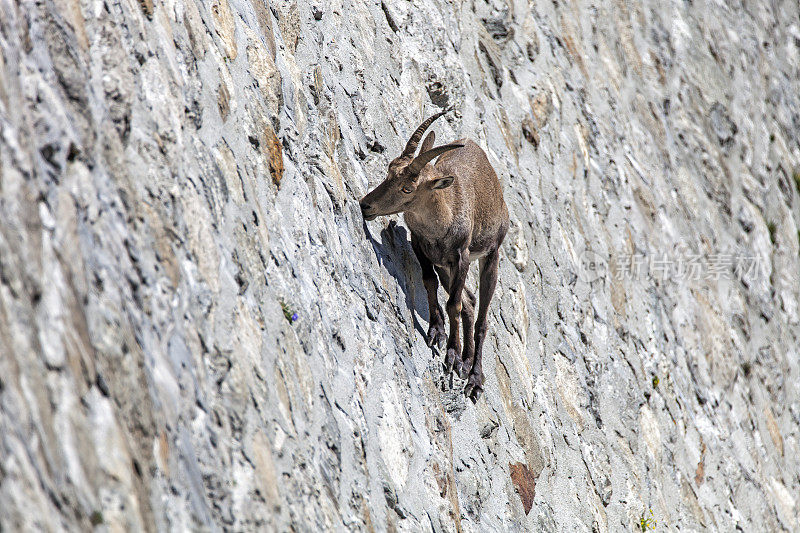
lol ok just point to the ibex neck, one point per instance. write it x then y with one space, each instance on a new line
432 218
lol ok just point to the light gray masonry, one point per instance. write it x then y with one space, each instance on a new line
177 177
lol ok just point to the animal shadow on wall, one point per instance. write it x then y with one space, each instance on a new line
394 252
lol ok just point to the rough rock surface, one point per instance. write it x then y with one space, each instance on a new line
177 176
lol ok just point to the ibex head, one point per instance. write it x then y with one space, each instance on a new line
409 181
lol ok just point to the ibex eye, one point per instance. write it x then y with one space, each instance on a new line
406 190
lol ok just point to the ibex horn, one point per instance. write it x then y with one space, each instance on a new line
411 146
422 159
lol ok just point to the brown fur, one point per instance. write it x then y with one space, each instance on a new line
456 213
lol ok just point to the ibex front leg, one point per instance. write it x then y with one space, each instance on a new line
458 277
467 320
436 334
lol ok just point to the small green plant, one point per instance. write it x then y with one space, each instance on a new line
655 381
796 176
647 523
96 518
771 227
290 315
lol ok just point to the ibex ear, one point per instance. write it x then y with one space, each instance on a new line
427 144
442 183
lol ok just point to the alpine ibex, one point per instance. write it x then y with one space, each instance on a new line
456 213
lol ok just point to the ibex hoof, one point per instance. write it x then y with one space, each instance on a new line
451 361
436 336
474 388
473 393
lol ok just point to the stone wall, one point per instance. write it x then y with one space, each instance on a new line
179 177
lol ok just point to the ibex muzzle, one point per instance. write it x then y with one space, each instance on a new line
456 213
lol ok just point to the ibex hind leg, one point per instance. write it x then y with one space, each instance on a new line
468 322
488 282
446 279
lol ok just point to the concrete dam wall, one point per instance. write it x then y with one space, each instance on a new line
198 330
